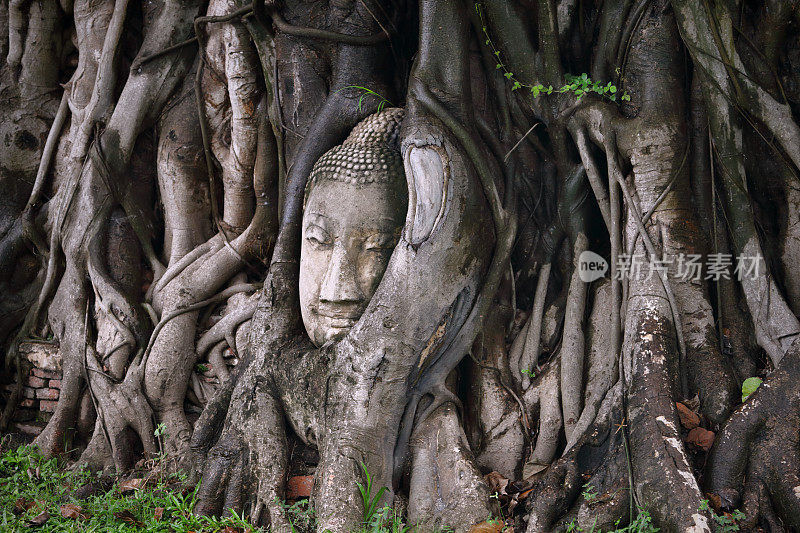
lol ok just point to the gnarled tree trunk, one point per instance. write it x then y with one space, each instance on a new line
157 155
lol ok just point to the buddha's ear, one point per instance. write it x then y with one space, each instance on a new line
428 174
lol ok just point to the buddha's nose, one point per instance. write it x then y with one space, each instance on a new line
340 284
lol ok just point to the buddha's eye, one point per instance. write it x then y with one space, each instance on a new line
318 237
380 242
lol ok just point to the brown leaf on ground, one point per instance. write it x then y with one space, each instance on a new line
689 419
497 483
702 438
229 529
531 469
128 517
158 513
72 511
22 505
489 526
39 519
714 501
131 485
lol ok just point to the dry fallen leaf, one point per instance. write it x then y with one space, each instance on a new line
689 419
714 501
39 519
131 485
489 526
128 517
72 511
22 505
531 469
702 438
158 513
497 482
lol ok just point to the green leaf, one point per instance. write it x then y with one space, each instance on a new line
498 66
508 75
612 89
749 387
488 41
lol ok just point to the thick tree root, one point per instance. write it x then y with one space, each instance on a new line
446 489
600 455
755 460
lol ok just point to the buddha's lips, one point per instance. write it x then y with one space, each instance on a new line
340 318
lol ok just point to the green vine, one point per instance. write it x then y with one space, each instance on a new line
366 91
579 85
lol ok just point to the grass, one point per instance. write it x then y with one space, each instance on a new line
31 486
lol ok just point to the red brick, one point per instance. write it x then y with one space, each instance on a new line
47 394
299 487
28 392
48 406
36 383
45 374
55 384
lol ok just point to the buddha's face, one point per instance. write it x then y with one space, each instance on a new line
349 232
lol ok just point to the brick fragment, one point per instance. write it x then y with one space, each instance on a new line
299 487
36 382
45 374
47 394
48 406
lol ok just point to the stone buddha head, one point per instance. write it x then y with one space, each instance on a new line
355 206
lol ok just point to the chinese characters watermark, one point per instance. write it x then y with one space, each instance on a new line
684 267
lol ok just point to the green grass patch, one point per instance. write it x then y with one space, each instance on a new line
39 493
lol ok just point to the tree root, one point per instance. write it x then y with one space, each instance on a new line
599 453
755 460
226 328
525 354
446 489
